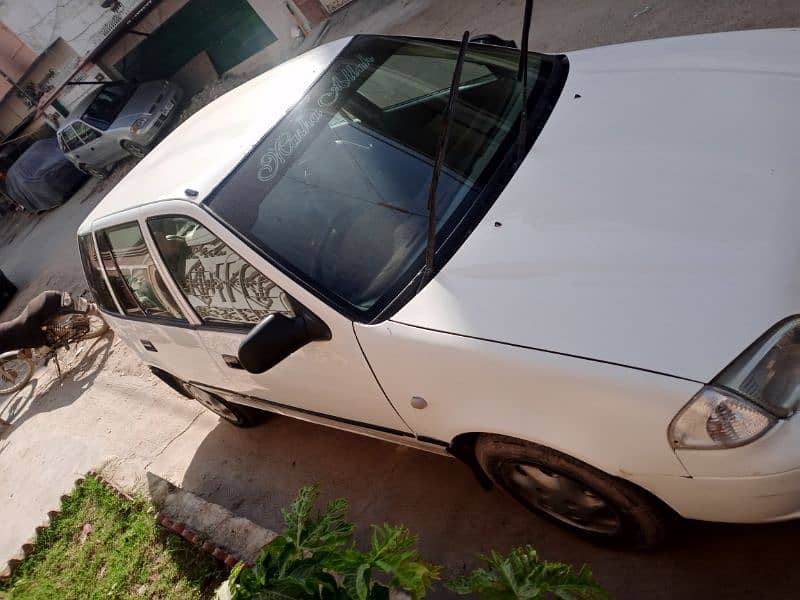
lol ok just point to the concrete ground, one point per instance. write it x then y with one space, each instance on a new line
109 411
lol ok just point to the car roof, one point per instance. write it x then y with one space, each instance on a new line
205 148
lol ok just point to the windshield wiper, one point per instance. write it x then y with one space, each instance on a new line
444 133
522 75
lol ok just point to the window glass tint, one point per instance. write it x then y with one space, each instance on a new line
390 86
94 275
86 133
337 192
70 139
107 104
133 275
219 284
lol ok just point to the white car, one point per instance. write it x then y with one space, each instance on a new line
610 331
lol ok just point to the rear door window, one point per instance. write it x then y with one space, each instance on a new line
86 133
94 274
220 285
133 275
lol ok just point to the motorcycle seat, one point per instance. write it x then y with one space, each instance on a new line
25 331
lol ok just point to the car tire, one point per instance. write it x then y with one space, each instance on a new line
595 505
94 172
134 149
235 414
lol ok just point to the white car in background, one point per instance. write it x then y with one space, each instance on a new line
611 329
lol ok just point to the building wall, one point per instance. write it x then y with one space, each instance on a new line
15 57
83 24
280 20
58 60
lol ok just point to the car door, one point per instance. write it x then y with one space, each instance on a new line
230 289
71 143
152 322
95 151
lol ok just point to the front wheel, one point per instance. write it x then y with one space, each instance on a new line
94 172
15 372
236 414
572 493
134 149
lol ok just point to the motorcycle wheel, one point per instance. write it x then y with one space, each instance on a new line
15 372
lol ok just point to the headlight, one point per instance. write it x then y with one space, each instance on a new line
139 123
768 372
748 397
716 419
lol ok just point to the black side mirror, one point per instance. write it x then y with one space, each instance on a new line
277 337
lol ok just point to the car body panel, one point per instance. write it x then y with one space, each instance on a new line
155 101
611 417
327 378
202 150
654 222
644 242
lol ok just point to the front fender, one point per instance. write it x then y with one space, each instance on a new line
612 417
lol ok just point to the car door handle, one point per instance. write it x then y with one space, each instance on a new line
148 345
232 361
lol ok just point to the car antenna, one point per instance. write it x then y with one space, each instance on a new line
444 133
522 75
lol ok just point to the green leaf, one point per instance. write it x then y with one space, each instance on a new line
362 581
523 576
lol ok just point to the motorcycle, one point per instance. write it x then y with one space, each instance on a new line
51 321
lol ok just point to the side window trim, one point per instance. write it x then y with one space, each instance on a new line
105 275
144 312
169 281
119 271
200 324
87 127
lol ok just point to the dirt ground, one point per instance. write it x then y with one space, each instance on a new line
108 410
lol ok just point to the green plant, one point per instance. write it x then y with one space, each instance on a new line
317 559
522 575
102 546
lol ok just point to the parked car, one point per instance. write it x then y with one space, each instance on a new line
610 331
42 178
117 120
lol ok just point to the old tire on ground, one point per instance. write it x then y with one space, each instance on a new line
134 149
235 414
586 500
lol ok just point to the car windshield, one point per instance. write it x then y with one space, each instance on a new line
336 194
107 104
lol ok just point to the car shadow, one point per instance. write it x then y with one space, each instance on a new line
45 392
255 472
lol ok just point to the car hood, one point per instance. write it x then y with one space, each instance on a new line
654 223
142 102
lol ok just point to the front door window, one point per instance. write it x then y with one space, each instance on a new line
133 274
219 284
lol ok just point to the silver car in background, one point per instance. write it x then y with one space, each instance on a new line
117 120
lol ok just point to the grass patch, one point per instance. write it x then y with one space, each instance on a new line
126 555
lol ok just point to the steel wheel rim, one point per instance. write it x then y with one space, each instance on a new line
135 149
563 498
215 406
